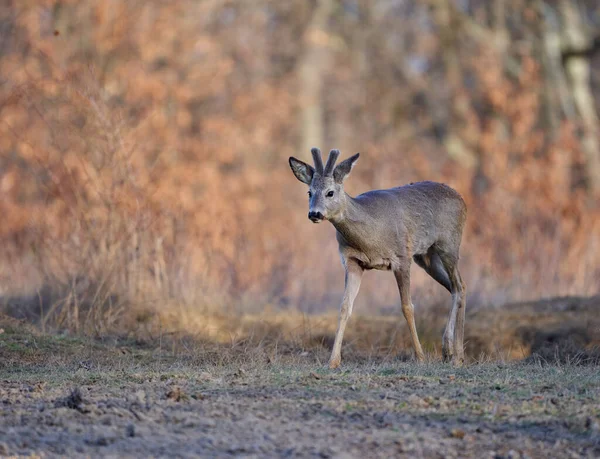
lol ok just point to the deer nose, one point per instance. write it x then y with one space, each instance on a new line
315 217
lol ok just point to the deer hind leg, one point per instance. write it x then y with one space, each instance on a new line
433 265
352 284
452 340
403 279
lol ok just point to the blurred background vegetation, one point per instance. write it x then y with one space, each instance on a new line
144 146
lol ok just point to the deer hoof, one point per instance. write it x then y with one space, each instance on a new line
459 352
458 360
455 360
447 356
335 362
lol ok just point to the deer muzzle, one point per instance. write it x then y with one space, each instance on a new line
315 217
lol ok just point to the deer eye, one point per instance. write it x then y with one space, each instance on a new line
329 194
310 194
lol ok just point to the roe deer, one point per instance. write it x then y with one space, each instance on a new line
385 230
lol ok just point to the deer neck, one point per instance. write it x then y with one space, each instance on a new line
351 219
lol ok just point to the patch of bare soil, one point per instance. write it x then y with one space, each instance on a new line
298 415
64 397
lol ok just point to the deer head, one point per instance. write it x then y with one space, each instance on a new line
326 195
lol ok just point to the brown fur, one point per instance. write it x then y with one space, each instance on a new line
387 230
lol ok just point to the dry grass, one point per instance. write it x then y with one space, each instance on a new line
121 186
566 329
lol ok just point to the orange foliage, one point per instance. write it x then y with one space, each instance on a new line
153 138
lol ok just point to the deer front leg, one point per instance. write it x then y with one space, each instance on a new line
352 284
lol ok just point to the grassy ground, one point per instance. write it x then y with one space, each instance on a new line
61 395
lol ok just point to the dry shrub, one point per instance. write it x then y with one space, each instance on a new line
101 245
144 173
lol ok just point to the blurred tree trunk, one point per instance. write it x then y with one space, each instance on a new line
556 94
449 21
577 67
311 71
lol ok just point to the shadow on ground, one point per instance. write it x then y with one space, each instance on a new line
566 330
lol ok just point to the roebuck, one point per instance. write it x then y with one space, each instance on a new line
386 230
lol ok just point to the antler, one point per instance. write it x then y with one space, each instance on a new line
333 156
316 154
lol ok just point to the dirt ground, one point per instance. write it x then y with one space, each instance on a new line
64 396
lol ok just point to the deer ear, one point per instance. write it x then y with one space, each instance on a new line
343 169
301 170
